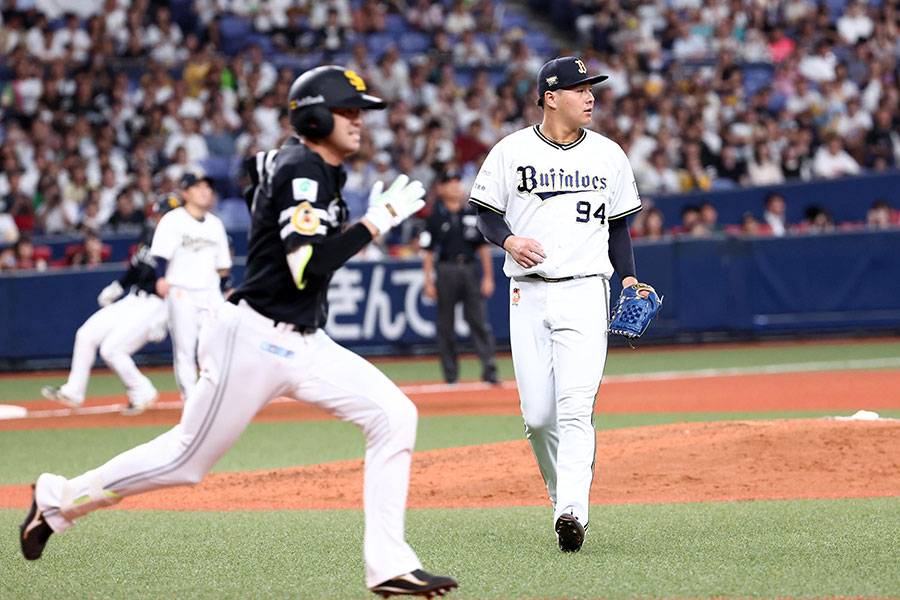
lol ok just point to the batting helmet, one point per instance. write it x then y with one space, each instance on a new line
164 203
317 91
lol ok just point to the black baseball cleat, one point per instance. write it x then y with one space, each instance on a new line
34 531
416 583
570 533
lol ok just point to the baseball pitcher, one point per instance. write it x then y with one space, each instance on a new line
192 262
555 196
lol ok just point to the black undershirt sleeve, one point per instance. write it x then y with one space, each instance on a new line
492 226
621 254
334 251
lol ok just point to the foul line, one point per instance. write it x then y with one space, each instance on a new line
474 386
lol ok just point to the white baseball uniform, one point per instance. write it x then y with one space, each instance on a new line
118 330
195 251
563 196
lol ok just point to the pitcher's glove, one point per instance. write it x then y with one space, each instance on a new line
633 312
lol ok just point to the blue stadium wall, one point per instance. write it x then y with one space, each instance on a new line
716 288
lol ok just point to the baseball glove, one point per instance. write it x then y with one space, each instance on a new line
632 313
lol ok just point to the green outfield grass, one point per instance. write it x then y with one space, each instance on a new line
620 362
796 549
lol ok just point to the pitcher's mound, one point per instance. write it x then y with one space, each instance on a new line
741 460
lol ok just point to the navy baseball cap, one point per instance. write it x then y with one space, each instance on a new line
193 178
565 72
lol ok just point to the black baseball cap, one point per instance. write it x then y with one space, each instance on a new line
565 72
193 178
448 175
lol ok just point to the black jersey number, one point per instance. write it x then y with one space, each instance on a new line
583 208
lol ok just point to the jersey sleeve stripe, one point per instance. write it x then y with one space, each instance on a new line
626 213
477 202
285 215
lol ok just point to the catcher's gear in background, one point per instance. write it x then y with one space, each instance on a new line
633 312
316 92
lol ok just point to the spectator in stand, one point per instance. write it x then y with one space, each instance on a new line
91 212
817 220
780 45
732 168
658 177
879 216
426 15
470 51
17 204
750 225
709 217
459 19
55 214
831 160
468 143
21 256
796 163
126 218
90 253
332 36
218 136
762 169
369 17
690 218
775 213
652 226
855 25
693 177
883 141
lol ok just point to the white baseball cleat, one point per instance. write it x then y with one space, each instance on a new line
51 393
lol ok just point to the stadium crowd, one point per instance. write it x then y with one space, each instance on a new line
103 111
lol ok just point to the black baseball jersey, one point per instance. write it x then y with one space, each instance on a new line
298 201
453 236
141 271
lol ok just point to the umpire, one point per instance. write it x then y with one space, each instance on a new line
451 241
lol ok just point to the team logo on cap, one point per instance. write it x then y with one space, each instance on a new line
305 220
581 67
552 80
355 80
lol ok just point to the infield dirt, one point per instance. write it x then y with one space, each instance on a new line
685 462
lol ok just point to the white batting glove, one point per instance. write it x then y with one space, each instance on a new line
110 294
391 207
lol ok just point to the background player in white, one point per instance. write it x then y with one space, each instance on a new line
121 328
268 341
193 262
555 197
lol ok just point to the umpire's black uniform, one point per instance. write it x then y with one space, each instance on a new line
454 239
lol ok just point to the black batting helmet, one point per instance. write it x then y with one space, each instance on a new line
317 91
164 203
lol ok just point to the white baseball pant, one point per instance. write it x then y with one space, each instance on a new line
558 339
246 361
187 311
118 330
